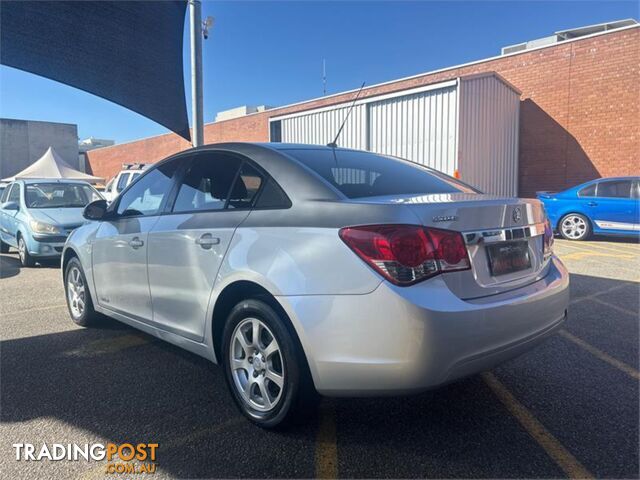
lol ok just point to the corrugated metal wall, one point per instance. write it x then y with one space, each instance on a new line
419 127
470 125
321 126
488 135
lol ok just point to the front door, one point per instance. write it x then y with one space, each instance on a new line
187 245
613 208
120 247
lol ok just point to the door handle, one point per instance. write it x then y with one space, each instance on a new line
136 243
207 241
593 204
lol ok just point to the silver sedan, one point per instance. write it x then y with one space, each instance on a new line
304 269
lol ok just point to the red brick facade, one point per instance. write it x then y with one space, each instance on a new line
579 117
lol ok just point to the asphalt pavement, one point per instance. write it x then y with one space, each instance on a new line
569 408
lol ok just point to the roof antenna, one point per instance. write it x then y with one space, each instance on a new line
334 144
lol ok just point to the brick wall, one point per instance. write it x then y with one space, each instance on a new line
580 115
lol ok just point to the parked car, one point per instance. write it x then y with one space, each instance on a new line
607 206
302 268
37 215
129 172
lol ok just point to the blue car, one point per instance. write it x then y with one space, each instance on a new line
36 216
607 206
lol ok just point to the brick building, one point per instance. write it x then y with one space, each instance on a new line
579 111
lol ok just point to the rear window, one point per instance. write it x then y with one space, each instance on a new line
363 174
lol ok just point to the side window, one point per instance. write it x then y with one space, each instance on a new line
145 197
272 196
207 184
245 187
615 189
588 191
14 195
5 194
122 182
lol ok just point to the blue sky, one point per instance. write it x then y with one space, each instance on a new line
271 53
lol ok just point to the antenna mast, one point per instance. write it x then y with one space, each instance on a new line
334 144
324 77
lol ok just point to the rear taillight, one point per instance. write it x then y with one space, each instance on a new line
407 254
547 239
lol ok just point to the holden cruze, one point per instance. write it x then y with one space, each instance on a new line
302 268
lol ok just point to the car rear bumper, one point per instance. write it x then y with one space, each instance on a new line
402 339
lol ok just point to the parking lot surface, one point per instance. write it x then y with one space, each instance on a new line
566 409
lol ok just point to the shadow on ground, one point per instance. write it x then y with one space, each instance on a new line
154 392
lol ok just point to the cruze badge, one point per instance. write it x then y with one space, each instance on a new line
517 214
445 218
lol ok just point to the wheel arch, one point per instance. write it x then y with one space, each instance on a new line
574 212
238 291
67 255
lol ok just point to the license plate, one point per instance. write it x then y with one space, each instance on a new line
508 257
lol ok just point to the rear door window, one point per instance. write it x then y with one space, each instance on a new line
363 174
588 191
245 188
207 183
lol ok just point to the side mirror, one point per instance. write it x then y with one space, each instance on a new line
11 206
95 210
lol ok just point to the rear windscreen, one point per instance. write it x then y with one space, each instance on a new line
363 174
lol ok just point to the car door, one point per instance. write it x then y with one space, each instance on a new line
613 208
10 218
188 244
5 216
120 247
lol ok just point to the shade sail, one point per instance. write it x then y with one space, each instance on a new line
127 52
51 165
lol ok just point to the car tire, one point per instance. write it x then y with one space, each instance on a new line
250 365
4 248
78 297
26 260
574 226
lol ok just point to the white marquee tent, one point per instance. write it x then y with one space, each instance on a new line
51 165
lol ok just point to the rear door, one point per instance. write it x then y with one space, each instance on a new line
188 243
613 208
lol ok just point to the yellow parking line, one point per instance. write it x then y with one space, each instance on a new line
604 247
563 256
326 443
616 307
108 345
587 254
623 367
35 309
565 460
603 292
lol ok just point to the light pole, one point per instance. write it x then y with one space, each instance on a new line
195 16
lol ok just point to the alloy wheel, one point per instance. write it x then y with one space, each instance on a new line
75 292
574 227
257 365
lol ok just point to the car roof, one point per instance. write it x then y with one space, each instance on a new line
30 181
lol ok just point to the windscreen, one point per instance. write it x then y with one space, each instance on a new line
59 195
363 174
